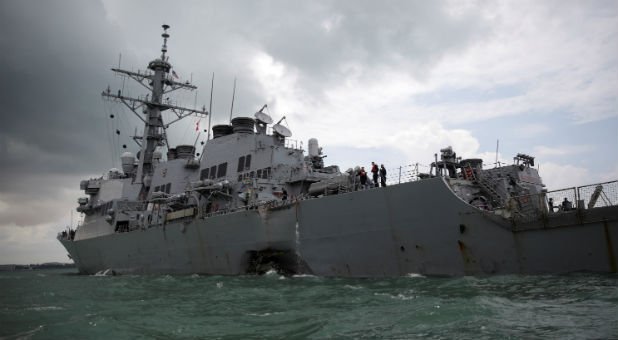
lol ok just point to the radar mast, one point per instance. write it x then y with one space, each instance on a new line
158 81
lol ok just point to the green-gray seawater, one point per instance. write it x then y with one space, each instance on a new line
59 304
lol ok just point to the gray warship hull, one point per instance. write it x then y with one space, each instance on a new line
416 227
252 201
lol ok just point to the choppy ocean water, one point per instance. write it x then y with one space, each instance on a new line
59 304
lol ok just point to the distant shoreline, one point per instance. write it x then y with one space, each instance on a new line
48 265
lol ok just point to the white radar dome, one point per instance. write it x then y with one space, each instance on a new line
314 148
127 159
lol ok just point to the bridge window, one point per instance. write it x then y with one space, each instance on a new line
241 163
168 188
247 162
213 172
222 170
204 173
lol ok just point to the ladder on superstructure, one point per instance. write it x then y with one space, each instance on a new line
494 197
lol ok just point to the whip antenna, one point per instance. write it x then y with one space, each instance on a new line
233 94
497 145
212 85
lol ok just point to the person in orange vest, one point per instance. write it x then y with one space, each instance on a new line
374 171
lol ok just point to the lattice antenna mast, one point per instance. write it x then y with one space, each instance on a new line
158 82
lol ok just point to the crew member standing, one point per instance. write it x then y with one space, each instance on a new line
374 171
382 175
363 177
567 205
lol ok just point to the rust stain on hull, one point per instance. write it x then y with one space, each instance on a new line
467 258
610 249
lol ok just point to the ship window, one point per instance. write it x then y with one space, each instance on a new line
247 162
156 189
251 174
222 170
204 173
266 173
258 173
213 172
239 178
168 187
241 163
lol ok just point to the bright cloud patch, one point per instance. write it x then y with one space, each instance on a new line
33 244
558 176
543 150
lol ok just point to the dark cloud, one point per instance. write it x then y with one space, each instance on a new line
411 34
49 114
320 39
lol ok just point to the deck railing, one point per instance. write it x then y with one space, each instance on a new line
528 208
598 195
583 197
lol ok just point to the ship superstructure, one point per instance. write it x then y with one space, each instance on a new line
253 201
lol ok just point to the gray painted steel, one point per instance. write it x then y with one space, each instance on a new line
388 231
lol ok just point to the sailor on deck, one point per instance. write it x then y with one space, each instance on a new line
363 177
375 171
567 205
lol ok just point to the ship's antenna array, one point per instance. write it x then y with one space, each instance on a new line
233 94
212 85
158 81
282 130
165 36
262 120
497 145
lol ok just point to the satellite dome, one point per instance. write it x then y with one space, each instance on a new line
263 118
282 130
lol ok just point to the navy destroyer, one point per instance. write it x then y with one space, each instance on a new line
250 202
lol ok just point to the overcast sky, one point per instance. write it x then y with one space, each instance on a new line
391 82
